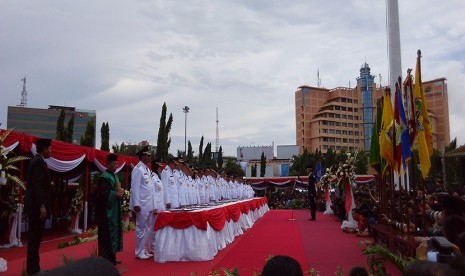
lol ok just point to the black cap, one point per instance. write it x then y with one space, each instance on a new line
144 151
43 143
112 157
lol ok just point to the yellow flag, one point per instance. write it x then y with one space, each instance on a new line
424 134
386 149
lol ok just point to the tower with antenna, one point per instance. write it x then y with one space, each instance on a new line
318 80
217 131
23 94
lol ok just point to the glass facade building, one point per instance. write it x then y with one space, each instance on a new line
365 84
42 122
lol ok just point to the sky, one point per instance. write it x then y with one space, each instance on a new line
124 59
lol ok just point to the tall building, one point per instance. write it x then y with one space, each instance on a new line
365 86
42 122
343 117
436 96
328 118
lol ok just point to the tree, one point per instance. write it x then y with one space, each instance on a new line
253 170
164 141
60 129
200 149
454 174
105 137
69 130
262 165
361 164
232 168
219 160
190 153
89 135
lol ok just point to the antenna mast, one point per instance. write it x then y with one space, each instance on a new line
318 78
23 94
217 131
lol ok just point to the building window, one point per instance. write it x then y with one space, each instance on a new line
355 101
325 130
344 116
351 133
356 118
338 148
351 125
324 123
350 109
337 107
338 115
331 131
349 101
343 100
355 109
357 141
344 124
350 117
344 132
331 123
356 125
351 141
338 131
338 123
338 140
344 140
325 147
343 108
357 133
331 115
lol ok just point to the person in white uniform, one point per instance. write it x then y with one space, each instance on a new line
143 202
171 194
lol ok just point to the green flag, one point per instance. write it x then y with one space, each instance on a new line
375 158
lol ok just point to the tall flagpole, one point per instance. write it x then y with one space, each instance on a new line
394 51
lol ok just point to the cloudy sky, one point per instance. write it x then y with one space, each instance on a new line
125 58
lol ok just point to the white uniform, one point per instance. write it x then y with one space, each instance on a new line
170 186
143 195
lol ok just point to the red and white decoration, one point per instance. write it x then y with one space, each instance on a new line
67 157
199 235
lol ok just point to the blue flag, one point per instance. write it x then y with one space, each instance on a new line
319 172
404 130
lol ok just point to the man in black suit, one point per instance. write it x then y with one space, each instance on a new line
312 192
37 202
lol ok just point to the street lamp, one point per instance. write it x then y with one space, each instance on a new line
185 110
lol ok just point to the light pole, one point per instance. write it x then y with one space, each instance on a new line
185 110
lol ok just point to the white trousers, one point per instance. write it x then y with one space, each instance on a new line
145 220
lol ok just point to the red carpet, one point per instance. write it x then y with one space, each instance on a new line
315 244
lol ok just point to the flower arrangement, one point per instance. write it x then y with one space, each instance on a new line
325 180
7 168
125 202
77 202
346 171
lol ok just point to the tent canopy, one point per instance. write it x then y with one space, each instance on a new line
261 183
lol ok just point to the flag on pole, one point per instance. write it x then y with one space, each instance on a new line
387 131
404 153
319 171
423 126
375 158
397 131
409 112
